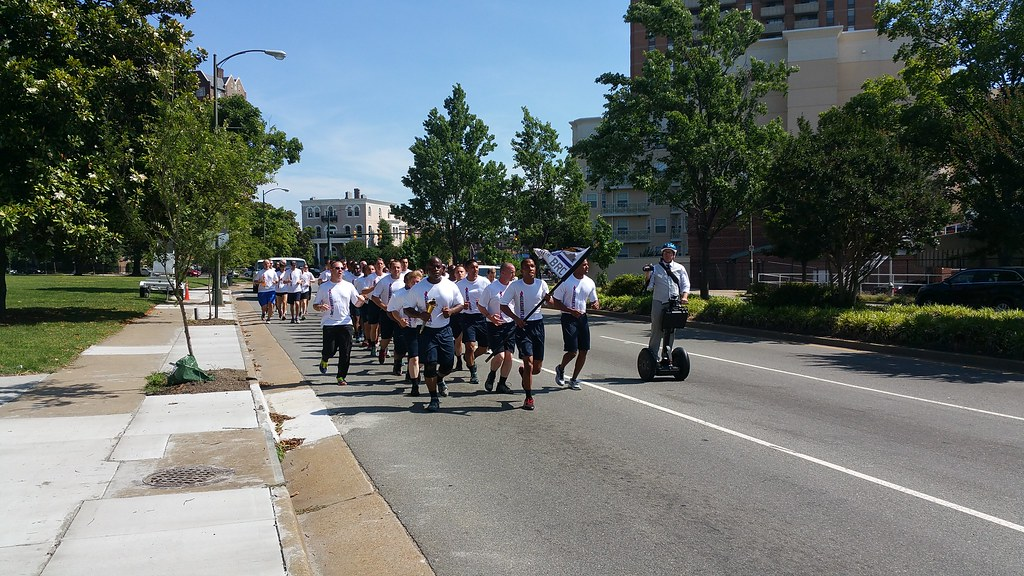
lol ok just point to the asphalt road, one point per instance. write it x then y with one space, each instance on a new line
771 458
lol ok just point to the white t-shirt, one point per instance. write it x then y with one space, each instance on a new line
364 282
348 276
341 297
574 293
306 281
522 297
267 279
399 301
445 294
326 275
491 300
386 287
472 291
295 281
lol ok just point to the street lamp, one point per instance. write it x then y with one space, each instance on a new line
328 215
265 211
218 298
278 54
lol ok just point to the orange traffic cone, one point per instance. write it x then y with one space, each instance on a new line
186 290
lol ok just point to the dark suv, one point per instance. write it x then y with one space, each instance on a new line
999 288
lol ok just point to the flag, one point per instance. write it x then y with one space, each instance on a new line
563 262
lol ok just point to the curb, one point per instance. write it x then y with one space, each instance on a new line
960 359
294 555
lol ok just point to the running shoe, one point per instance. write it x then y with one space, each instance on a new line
323 366
303 318
574 384
489 383
472 377
504 389
341 381
263 315
559 375
442 388
434 405
528 403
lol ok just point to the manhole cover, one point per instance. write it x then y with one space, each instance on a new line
180 476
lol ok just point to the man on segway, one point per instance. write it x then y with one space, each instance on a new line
671 284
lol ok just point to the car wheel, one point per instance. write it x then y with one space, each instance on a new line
1002 305
925 302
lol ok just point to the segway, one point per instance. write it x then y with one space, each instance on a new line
675 363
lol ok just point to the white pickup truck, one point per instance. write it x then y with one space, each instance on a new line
160 279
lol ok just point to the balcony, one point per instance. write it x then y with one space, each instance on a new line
626 209
805 8
804 24
773 28
773 11
677 233
629 237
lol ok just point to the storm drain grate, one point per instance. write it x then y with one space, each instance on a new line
180 476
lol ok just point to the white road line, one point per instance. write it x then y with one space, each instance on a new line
818 461
827 381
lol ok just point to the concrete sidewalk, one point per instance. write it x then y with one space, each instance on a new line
101 479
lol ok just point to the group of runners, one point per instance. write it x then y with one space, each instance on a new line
445 318
285 287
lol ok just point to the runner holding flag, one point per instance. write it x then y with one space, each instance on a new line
527 293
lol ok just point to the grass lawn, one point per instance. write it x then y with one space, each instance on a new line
52 318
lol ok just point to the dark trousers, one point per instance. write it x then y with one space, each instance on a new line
338 339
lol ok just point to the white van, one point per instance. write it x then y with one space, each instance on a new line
300 262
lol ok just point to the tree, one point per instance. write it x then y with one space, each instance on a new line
72 74
194 173
964 68
456 194
546 210
606 247
867 190
689 129
267 144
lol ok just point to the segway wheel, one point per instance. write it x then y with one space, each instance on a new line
646 365
681 362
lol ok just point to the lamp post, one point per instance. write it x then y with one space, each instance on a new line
328 215
265 211
218 298
751 248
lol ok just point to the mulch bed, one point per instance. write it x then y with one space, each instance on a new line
224 380
210 322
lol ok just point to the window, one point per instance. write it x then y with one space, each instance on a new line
650 41
332 230
309 212
316 212
356 210
592 199
319 231
660 226
359 229
348 211
621 199
348 230
624 252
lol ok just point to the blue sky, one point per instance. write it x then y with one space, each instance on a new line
361 77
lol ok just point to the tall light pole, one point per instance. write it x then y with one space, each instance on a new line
265 211
218 298
328 215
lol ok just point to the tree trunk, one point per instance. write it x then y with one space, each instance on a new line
705 264
184 319
4 265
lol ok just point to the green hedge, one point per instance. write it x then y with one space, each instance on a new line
984 332
625 285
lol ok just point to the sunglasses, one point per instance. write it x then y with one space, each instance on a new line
337 268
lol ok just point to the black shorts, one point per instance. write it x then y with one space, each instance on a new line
437 346
501 337
456 323
411 336
283 296
474 328
387 324
530 340
293 297
575 333
306 294
370 313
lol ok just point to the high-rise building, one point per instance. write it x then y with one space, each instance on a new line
836 49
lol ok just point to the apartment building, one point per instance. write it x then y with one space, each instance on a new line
834 44
354 218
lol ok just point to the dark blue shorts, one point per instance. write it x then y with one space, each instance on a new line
530 340
370 313
438 346
474 328
387 325
501 338
575 333
265 298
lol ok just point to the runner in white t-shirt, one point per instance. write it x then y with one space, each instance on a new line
266 282
407 330
380 296
520 299
293 279
369 315
306 283
472 322
435 299
500 329
572 297
334 300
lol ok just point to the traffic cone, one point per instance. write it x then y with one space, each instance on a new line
186 290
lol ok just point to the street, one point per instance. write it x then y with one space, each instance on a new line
771 458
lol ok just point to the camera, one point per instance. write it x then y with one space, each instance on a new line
649 268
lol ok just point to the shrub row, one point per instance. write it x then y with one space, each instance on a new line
946 328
